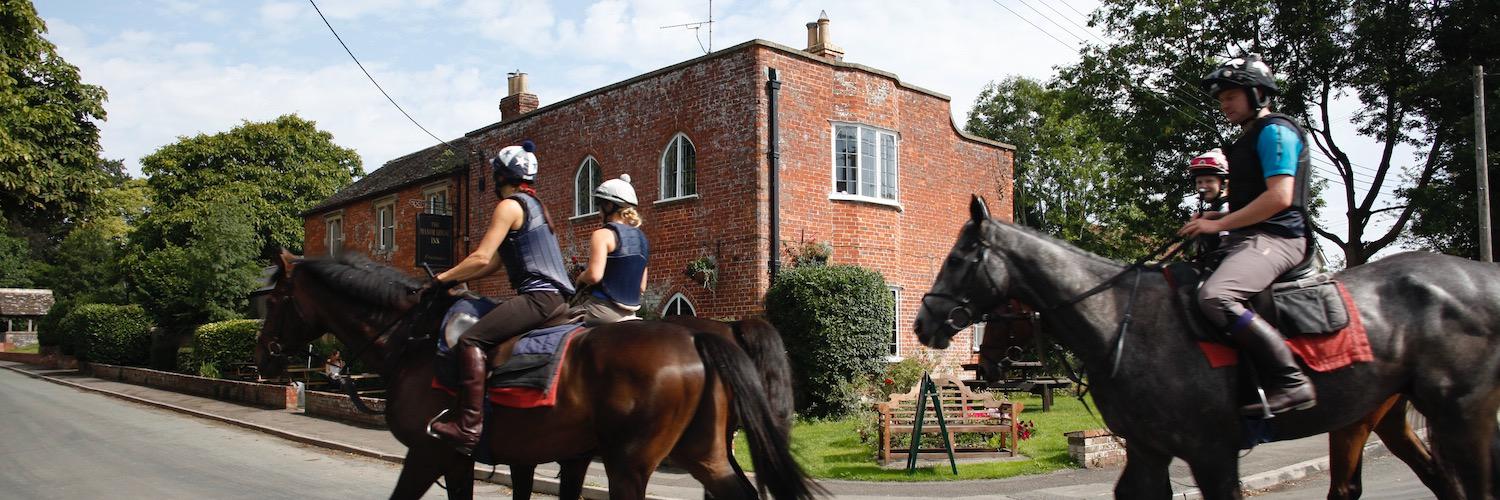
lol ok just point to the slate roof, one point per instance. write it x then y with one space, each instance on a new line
24 301
420 166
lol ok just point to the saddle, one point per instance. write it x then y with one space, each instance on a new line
1299 302
527 362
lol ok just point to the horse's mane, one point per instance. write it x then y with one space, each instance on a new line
362 279
1096 258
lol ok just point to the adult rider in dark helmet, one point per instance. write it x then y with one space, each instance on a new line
520 239
1267 224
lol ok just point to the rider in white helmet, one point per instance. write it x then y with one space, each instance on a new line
618 258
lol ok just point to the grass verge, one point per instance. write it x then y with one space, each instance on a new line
833 450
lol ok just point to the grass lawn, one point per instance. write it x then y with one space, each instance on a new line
832 450
27 349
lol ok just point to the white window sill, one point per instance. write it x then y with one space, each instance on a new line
866 199
583 216
894 359
693 196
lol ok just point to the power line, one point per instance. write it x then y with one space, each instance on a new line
1039 28
372 78
1054 23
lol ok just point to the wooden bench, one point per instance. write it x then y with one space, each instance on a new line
964 411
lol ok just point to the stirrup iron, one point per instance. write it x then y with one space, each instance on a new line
445 412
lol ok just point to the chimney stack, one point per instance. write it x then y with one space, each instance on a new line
818 43
517 100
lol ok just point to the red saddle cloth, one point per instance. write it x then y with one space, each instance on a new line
1321 352
524 397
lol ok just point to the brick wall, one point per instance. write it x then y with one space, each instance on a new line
938 168
361 227
1096 448
263 395
335 406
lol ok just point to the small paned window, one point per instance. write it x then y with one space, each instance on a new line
335 235
865 163
385 218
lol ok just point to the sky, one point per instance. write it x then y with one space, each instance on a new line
178 68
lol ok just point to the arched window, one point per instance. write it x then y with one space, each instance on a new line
679 169
678 305
584 184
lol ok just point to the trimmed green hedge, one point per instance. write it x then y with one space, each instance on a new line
50 331
836 321
217 346
111 334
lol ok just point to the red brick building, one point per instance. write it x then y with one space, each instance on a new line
870 164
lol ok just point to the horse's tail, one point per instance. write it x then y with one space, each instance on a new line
763 343
775 468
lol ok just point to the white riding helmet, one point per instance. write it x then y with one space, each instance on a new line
617 191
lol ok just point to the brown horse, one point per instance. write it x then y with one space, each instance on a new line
632 393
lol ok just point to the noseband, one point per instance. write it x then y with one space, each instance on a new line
963 312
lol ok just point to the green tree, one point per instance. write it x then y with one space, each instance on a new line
49 136
1066 180
208 279
1140 88
16 267
276 169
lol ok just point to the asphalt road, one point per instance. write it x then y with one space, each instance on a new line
58 442
1384 478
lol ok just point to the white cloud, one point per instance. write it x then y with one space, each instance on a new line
280 12
193 49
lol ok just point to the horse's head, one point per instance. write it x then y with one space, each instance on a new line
973 281
288 324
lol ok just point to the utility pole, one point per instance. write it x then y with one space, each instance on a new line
1481 165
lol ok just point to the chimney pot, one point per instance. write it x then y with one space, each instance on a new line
818 42
518 100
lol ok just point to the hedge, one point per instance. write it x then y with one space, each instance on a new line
50 331
836 322
217 346
111 334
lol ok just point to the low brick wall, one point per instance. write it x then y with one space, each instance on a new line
56 361
250 393
1095 449
336 406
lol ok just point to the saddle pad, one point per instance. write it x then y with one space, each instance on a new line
527 380
1321 353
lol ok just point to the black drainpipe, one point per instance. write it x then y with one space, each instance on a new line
773 88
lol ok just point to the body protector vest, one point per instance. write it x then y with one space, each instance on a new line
531 255
625 265
1247 179
1206 246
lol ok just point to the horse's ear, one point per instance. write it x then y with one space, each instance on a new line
978 210
285 261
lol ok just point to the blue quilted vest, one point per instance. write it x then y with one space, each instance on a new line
625 265
532 259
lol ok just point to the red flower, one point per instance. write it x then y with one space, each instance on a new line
889 381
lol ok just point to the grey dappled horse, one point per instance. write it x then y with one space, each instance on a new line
1433 323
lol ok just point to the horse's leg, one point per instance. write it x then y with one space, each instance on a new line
571 477
1395 431
521 477
628 475
460 479
1346 452
1461 443
1145 474
1217 474
419 470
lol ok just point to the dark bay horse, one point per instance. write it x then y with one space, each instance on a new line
1433 324
631 393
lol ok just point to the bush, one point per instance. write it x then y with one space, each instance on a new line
217 346
836 322
50 330
111 334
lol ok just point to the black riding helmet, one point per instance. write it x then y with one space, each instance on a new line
1249 73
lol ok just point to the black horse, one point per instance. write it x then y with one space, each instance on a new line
1433 323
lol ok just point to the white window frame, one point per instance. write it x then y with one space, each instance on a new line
676 297
382 224
432 193
893 352
679 187
585 198
879 183
978 334
335 245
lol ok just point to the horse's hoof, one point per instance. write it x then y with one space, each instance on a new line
433 421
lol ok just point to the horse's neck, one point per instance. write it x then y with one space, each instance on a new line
1046 274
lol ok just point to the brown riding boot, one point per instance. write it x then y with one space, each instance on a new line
1287 388
462 431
